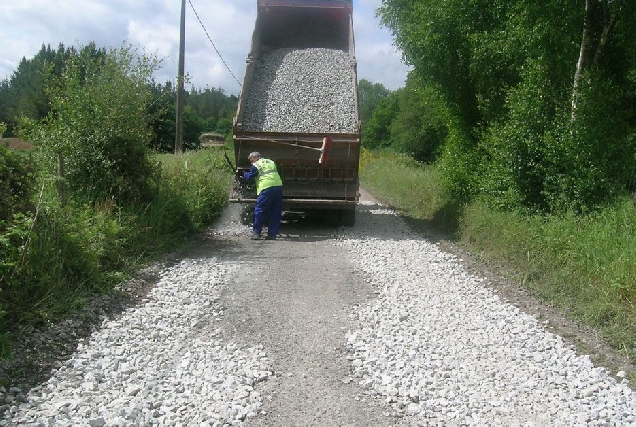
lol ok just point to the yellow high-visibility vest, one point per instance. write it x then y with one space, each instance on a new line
267 175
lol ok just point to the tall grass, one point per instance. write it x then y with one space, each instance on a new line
585 265
56 256
410 186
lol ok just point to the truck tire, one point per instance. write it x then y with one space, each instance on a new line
348 217
331 218
247 214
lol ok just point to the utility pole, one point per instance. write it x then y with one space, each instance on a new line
178 143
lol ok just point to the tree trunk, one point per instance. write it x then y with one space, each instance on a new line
583 53
607 26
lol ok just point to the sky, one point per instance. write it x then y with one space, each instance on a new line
153 26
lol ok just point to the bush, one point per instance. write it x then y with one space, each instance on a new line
420 127
99 125
17 179
591 160
198 179
542 159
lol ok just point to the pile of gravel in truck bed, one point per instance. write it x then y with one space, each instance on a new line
301 90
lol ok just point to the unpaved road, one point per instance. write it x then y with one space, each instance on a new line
372 325
294 296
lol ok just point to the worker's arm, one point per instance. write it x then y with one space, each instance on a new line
251 174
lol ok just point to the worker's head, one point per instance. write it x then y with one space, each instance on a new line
254 156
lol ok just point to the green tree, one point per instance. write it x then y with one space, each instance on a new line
162 111
209 110
369 94
223 126
99 124
506 73
419 129
377 131
193 127
17 178
24 93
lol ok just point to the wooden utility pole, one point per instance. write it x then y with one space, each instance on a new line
178 143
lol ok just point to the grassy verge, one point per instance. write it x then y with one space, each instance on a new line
586 266
56 256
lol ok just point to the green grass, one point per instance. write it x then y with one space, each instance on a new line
396 178
584 265
52 261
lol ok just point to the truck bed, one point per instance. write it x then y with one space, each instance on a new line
300 86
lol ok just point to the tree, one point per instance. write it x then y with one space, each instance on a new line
377 132
24 93
419 128
99 124
162 113
505 72
369 94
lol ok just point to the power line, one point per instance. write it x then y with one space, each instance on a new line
213 45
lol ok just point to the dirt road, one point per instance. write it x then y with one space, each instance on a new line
370 325
294 296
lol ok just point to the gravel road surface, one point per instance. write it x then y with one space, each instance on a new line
369 325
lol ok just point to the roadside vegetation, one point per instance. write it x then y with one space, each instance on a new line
93 200
582 264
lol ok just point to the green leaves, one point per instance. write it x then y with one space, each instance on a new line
505 73
99 124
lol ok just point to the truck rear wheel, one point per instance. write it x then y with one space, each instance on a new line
331 217
247 214
348 217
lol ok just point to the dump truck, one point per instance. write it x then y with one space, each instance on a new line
298 106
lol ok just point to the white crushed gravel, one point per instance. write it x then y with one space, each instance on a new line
161 363
302 90
436 344
444 349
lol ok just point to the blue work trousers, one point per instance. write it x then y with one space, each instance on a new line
268 210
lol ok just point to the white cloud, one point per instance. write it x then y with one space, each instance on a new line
154 25
379 61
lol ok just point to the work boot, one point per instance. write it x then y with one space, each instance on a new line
270 237
256 236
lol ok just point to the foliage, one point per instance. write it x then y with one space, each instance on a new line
16 183
377 131
99 125
504 73
409 185
369 94
162 112
514 149
24 93
55 258
581 264
420 126
209 110
197 180
412 121
540 160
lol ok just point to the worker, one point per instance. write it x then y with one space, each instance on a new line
269 192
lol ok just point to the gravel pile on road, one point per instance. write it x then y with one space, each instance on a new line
162 363
436 345
302 90
445 350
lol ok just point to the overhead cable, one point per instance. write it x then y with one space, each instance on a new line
213 45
